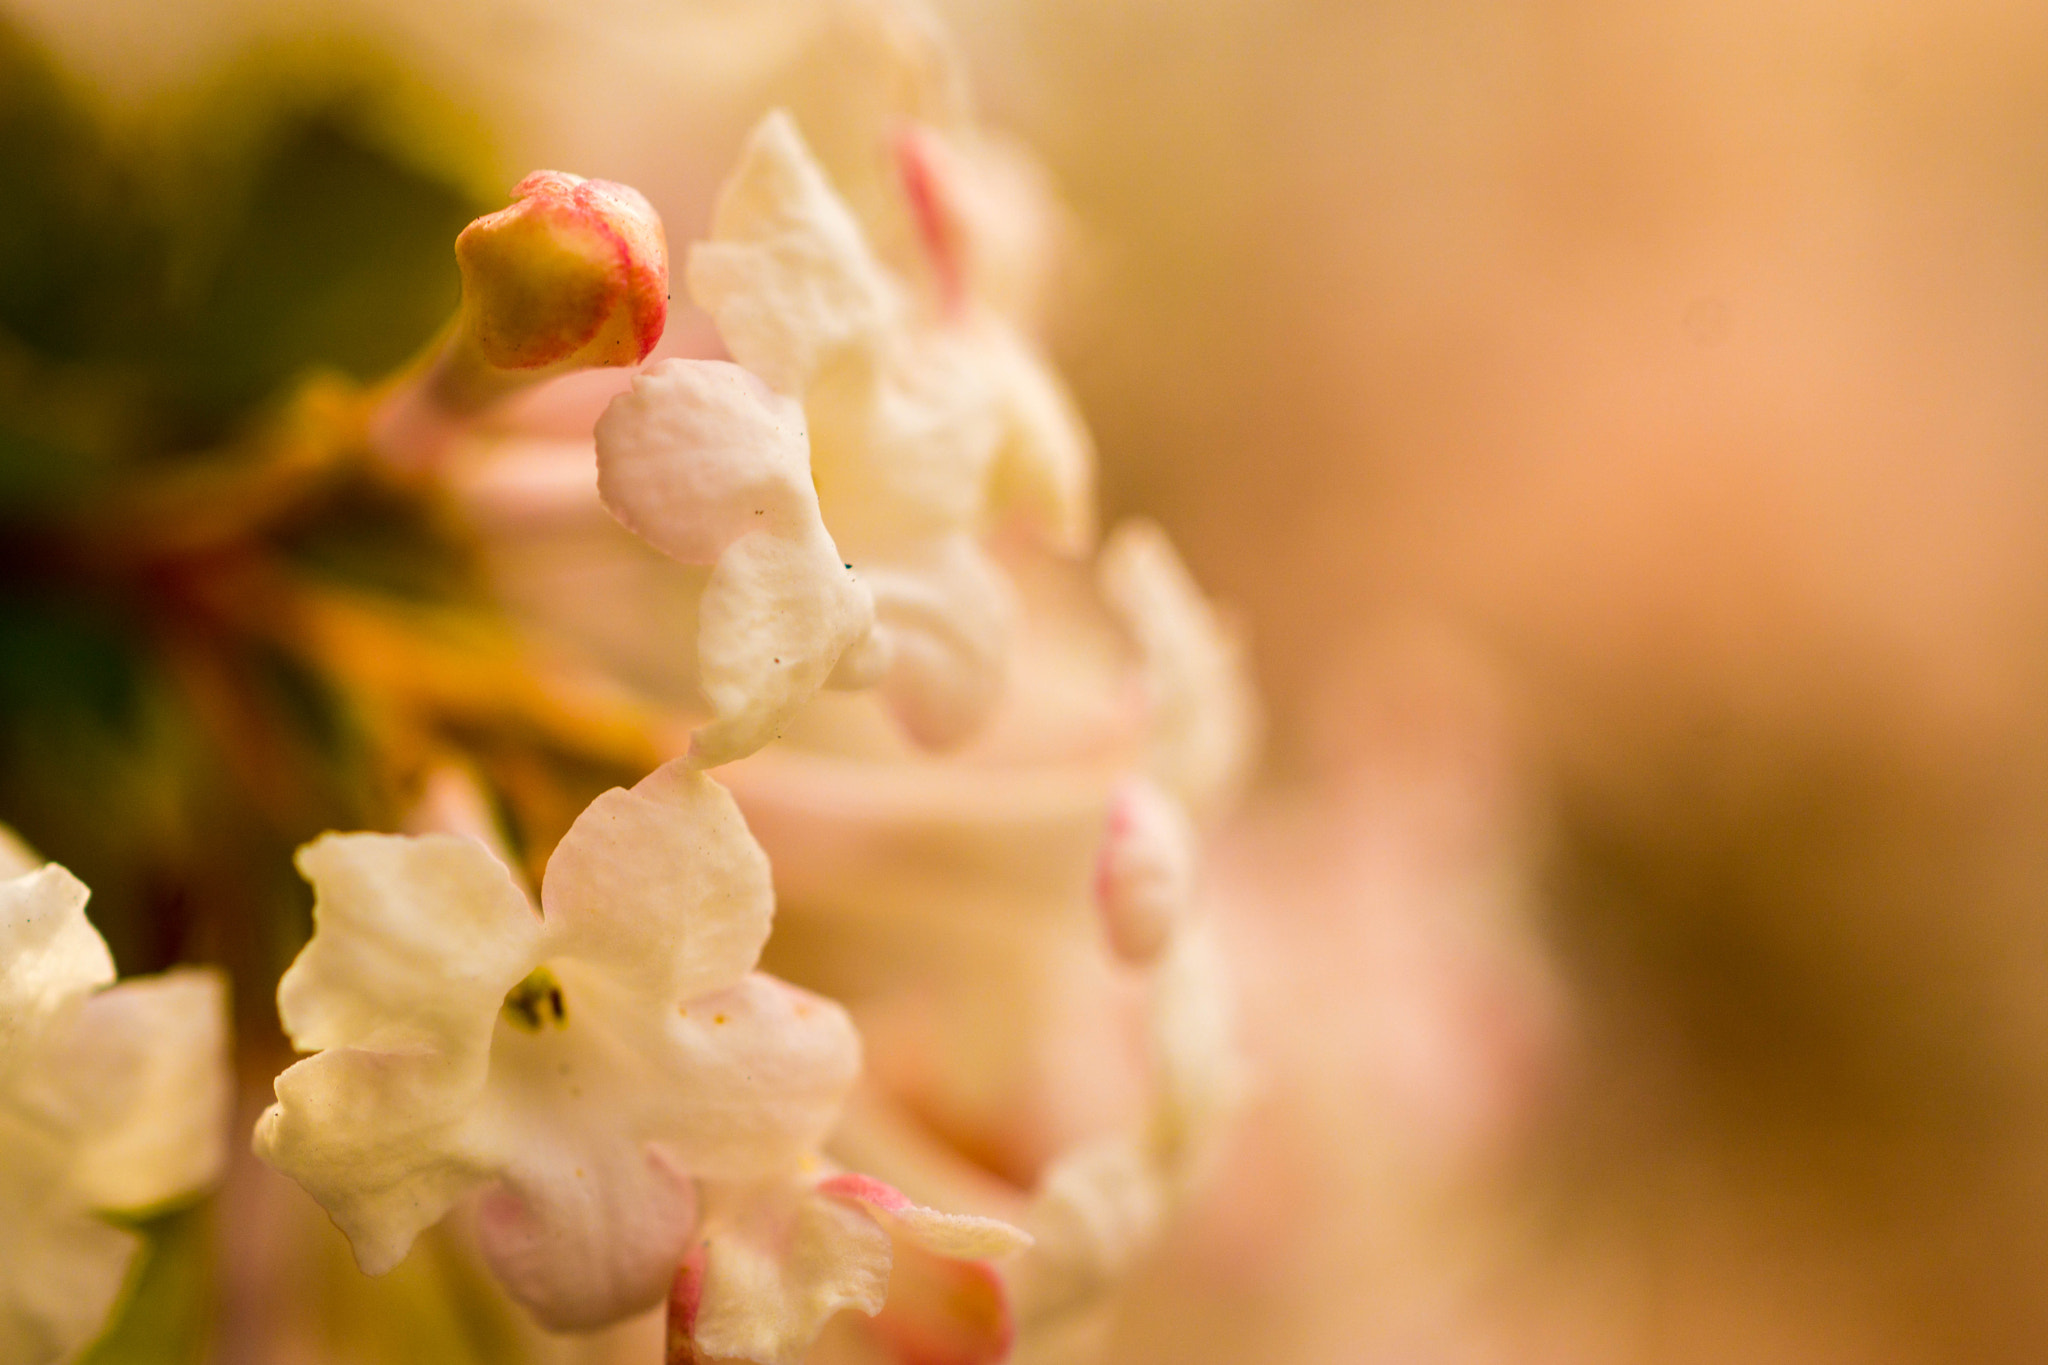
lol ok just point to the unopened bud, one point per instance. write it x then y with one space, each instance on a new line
571 276
1144 876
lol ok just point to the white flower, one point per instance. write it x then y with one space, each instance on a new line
113 1100
1044 885
623 1095
926 421
711 467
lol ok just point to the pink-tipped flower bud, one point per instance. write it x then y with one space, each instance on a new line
573 274
1145 873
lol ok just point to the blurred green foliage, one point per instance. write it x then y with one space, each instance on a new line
156 295
164 1319
164 292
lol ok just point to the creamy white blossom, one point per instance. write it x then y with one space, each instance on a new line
113 1101
1045 883
926 423
609 1081
711 467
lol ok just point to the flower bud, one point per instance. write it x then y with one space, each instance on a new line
1144 876
573 274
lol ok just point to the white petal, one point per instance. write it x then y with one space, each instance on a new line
943 1311
662 887
755 1077
61 1268
712 468
50 956
774 619
605 1107
780 1260
145 1072
701 453
1198 1072
904 448
1095 1209
1204 716
787 274
958 1236
381 1140
415 942
585 1238
947 615
1045 467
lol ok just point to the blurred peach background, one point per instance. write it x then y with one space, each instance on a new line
1621 428
1630 417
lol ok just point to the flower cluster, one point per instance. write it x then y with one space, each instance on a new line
902 430
608 1082
960 774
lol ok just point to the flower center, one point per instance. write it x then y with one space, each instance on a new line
536 1002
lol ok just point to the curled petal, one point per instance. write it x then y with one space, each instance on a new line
452 801
662 887
382 1140
775 617
685 1296
946 1305
712 468
1145 874
779 1261
415 942
930 181
787 274
50 956
1204 717
144 1084
980 218
700 453
1045 466
1096 1208
960 1236
946 615
986 218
